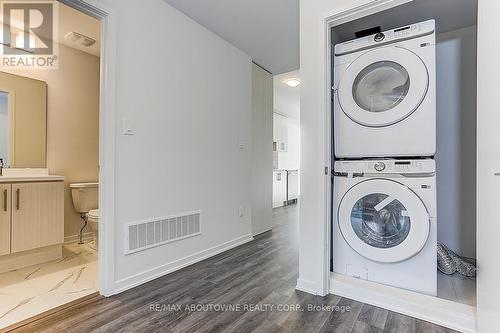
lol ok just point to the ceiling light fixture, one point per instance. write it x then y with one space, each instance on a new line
292 83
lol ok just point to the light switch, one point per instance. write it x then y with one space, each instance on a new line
127 127
241 144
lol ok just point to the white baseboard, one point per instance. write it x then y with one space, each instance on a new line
154 273
87 237
262 231
446 313
306 286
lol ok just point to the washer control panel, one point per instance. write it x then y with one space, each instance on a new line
424 166
386 37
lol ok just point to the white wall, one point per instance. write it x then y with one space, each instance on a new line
4 127
188 95
488 292
456 140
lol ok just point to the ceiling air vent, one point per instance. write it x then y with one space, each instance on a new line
80 39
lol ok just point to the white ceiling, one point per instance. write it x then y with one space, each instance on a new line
449 15
287 99
268 31
73 20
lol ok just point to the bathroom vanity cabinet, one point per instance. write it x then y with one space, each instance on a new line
32 216
5 218
37 215
31 222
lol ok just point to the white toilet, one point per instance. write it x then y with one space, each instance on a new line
85 201
93 221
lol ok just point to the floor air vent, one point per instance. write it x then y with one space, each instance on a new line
151 233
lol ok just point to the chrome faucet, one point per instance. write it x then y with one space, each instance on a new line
1 166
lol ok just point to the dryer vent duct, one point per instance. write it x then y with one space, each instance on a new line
449 262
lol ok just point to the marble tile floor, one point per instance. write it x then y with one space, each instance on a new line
30 291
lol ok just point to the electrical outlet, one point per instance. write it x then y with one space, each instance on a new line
241 211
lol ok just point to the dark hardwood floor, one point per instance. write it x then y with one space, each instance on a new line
261 273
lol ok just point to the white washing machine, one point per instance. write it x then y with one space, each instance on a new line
385 94
384 227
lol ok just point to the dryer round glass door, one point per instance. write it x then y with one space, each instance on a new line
383 86
383 220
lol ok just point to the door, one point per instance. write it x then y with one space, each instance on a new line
37 209
383 221
5 190
383 86
488 167
262 156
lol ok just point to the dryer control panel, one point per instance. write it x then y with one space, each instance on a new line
386 37
426 166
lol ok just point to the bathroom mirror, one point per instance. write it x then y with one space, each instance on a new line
23 121
4 127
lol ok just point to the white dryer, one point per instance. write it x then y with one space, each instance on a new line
384 227
385 94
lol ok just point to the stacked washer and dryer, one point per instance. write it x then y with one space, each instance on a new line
384 202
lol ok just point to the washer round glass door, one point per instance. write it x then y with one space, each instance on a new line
383 86
383 220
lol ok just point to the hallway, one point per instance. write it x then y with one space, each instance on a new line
253 278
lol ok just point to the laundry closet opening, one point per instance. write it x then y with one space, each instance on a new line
404 148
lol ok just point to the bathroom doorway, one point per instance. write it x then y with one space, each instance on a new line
72 157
